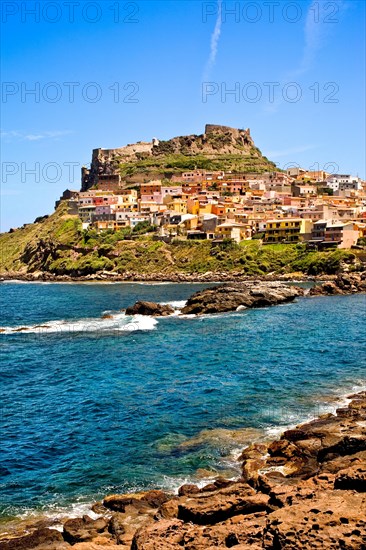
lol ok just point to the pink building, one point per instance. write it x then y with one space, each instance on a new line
102 209
152 197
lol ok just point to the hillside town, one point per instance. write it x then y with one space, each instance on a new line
321 209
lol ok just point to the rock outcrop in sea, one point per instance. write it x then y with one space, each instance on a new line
345 283
230 297
305 491
227 297
251 294
150 308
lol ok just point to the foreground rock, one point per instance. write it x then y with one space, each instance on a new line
39 538
345 283
150 308
305 491
230 297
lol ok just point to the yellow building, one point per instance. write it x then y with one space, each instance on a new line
130 197
291 230
189 222
193 206
361 228
104 225
123 207
205 208
313 175
232 230
177 204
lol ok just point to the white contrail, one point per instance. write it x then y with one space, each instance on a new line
317 31
214 42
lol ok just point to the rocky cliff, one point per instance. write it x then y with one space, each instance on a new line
219 148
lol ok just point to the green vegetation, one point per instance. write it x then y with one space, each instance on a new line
16 249
58 245
171 164
143 227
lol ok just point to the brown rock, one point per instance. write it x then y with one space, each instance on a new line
345 446
254 451
229 297
83 529
307 493
49 538
99 543
98 508
284 448
221 482
345 283
154 498
208 488
169 509
266 482
150 308
116 527
295 435
159 536
250 471
343 463
209 508
188 489
329 521
118 503
353 478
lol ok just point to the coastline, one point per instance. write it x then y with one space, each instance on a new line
146 511
271 470
209 277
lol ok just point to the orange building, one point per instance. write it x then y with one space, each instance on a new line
150 188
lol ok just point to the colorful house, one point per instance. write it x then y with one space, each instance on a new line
231 230
343 235
288 230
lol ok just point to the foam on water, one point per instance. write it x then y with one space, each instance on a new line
118 322
326 406
177 304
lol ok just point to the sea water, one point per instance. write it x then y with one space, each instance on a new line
95 402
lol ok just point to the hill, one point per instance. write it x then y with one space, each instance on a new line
219 148
57 246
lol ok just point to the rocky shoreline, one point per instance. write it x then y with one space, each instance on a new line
305 490
132 277
208 277
250 294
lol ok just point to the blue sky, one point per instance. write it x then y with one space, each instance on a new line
109 73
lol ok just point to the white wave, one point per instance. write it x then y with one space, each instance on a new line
14 282
109 322
341 399
212 317
150 283
177 304
172 484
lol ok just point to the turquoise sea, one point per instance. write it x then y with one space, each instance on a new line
93 405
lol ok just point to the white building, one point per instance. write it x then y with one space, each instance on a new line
343 182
